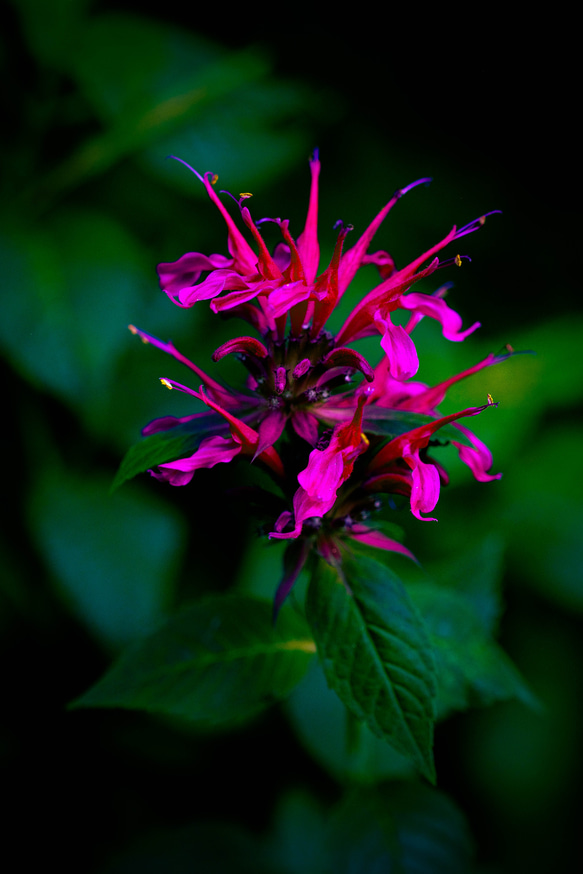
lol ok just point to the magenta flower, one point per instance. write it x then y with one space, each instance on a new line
346 433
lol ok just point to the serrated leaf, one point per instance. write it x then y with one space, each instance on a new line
375 653
472 669
165 446
399 827
217 660
345 747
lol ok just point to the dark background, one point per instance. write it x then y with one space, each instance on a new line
90 206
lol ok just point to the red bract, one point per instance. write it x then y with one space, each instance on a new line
341 445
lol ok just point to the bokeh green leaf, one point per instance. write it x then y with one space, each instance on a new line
112 559
405 827
216 661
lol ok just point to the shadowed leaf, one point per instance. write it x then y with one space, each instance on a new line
217 660
400 827
164 446
375 653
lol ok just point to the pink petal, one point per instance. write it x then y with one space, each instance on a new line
425 487
244 345
215 390
283 298
321 478
399 347
212 450
217 281
236 298
379 540
305 507
344 357
282 256
355 256
382 261
176 275
308 240
427 399
265 263
384 296
436 308
418 438
478 459
245 259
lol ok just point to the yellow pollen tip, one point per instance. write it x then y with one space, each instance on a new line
458 260
364 439
245 194
215 179
490 399
134 330
166 383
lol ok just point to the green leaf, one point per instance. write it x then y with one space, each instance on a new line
164 446
472 669
297 844
544 516
266 143
476 575
113 560
51 29
346 748
399 827
71 287
148 81
375 653
216 661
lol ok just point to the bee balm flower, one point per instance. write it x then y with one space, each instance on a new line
335 433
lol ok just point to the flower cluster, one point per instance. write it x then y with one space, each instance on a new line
335 433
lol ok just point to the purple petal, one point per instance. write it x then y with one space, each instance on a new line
270 430
294 560
306 426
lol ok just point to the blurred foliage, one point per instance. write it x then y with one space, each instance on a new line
100 94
